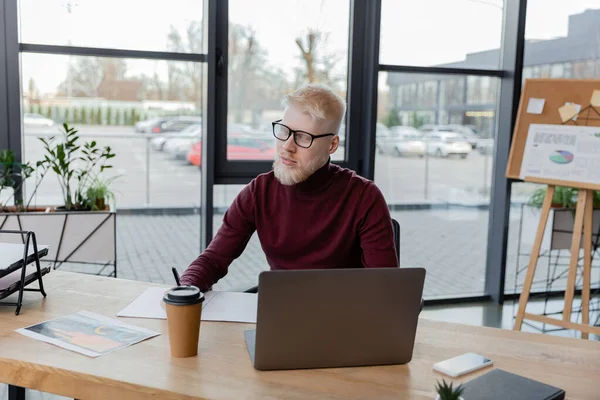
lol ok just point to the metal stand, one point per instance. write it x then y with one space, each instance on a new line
27 259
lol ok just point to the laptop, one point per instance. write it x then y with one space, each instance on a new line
335 318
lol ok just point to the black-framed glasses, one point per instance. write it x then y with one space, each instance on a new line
301 138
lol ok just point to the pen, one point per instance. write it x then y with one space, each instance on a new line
176 275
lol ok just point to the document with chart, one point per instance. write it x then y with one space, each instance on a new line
562 152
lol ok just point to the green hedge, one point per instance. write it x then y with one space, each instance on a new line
97 115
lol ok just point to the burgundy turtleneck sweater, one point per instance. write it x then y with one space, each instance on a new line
334 219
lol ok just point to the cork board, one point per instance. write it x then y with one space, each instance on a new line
555 92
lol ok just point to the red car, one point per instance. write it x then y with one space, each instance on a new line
238 148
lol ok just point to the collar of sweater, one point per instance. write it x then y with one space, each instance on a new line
318 181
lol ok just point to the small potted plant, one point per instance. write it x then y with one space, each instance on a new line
448 392
98 194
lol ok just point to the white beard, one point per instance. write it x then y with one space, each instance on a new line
291 176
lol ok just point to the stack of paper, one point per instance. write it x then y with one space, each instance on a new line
217 306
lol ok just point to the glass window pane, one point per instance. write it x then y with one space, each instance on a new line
125 104
438 184
562 39
149 112
421 33
130 24
561 42
270 54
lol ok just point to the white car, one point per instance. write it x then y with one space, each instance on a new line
401 141
32 119
179 147
444 144
158 143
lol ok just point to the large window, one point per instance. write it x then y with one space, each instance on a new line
139 82
561 44
134 81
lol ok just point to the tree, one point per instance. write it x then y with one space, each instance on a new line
254 85
83 78
32 90
84 119
184 80
417 120
98 77
392 118
99 116
318 62
76 116
109 116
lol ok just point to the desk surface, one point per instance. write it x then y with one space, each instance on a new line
223 369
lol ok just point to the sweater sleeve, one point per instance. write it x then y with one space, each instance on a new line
376 234
227 245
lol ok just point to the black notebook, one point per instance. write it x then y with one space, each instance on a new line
501 385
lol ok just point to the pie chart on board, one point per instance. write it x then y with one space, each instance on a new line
561 157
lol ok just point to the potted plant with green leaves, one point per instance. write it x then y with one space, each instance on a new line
447 391
82 229
98 194
559 229
13 175
76 166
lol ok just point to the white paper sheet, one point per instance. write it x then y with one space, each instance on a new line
87 333
217 306
231 307
147 305
564 152
535 106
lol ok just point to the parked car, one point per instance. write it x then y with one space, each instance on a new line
159 142
401 141
467 131
167 124
239 147
146 126
486 146
444 144
32 119
179 146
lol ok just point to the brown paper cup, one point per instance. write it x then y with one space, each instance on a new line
184 312
184 329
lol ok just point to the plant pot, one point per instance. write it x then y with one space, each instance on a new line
558 233
100 204
13 209
72 236
437 397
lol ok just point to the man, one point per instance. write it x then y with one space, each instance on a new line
309 213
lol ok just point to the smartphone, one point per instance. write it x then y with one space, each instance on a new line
462 364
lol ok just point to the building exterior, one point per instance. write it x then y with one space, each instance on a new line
471 100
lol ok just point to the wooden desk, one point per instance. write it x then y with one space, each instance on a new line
223 368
